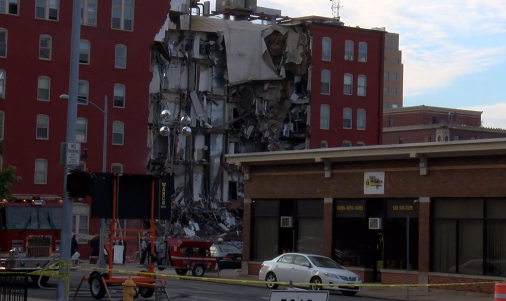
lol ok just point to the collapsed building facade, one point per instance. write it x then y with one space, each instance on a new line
238 87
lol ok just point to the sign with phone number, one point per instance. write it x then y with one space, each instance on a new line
402 208
350 208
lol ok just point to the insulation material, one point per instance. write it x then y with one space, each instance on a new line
154 85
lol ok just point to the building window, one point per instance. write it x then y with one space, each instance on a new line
82 130
324 144
265 230
40 174
325 88
385 105
361 119
3 41
45 43
390 121
80 221
468 236
122 14
324 117
2 83
82 92
394 76
360 143
2 125
326 48
348 50
47 9
394 91
385 76
117 168
119 96
346 118
42 132
9 7
348 84
84 52
120 55
346 143
43 88
362 52
118 130
89 12
401 140
385 90
396 61
456 138
473 138
361 85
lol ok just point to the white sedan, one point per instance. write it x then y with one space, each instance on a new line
319 272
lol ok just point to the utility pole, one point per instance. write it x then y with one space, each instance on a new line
101 261
66 227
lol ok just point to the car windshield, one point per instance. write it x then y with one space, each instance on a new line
18 217
324 262
228 249
50 217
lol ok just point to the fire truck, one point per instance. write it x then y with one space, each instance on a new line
30 234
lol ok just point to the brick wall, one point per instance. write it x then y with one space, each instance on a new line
398 277
478 288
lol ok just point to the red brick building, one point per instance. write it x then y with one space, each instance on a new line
34 67
452 193
429 124
347 84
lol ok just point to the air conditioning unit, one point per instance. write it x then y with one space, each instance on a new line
348 57
286 222
375 223
246 5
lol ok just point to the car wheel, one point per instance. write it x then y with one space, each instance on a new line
198 270
271 278
348 293
181 272
316 284
97 288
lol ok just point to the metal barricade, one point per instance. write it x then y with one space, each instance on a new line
13 287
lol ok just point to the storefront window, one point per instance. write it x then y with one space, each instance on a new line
264 243
309 235
350 243
395 243
469 236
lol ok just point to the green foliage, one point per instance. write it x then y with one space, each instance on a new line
7 177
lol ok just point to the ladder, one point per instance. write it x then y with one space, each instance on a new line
160 291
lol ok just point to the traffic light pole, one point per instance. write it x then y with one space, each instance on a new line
101 260
66 225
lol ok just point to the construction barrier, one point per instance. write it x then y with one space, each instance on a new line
500 292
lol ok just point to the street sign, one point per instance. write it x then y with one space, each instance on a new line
299 296
73 154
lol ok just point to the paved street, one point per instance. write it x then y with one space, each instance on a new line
187 290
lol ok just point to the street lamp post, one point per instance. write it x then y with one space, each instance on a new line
101 260
70 137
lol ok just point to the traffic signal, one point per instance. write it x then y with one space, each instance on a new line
79 184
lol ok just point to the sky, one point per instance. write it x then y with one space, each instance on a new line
454 51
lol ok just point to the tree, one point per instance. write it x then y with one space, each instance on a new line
7 177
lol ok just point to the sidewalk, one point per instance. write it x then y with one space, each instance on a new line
393 293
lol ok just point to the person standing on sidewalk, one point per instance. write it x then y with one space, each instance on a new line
144 250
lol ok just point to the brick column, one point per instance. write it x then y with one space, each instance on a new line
328 226
246 236
424 240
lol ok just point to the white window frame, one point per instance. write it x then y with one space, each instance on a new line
50 47
80 211
349 46
5 7
47 79
346 143
42 118
85 14
117 165
326 43
360 143
324 144
47 8
361 119
325 73
38 163
118 57
82 122
361 85
2 126
348 114
5 42
362 52
84 52
348 84
123 90
324 116
118 127
82 97
3 80
122 6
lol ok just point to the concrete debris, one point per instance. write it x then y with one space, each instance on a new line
245 87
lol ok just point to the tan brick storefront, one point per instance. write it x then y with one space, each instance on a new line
428 174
